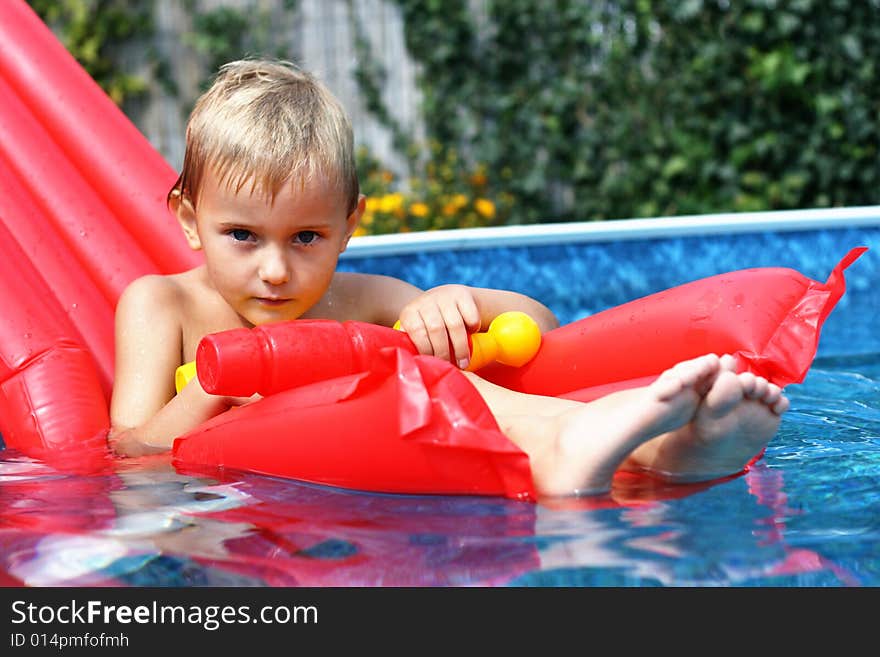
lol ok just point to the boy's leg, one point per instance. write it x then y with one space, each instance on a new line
575 448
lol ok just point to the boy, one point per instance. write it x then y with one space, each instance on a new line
270 194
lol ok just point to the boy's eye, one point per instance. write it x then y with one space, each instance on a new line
240 234
306 237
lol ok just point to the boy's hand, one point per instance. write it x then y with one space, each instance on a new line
438 322
192 402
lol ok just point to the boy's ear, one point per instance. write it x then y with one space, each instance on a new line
186 215
353 220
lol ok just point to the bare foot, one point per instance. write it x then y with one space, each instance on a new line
578 451
738 416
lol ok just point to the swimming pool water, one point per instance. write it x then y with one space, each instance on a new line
808 514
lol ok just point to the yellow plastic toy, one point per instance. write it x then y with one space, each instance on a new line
184 374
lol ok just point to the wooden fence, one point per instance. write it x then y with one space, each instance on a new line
317 34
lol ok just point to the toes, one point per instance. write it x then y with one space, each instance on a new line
695 373
726 392
760 389
773 394
711 367
728 363
687 371
781 406
667 385
749 382
713 363
699 370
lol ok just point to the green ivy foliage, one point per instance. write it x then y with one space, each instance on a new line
581 110
92 29
223 34
595 110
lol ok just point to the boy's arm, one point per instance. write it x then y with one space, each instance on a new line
145 413
439 320
381 299
493 302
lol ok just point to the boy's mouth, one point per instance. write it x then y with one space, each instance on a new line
271 301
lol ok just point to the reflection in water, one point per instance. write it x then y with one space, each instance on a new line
682 544
149 525
145 524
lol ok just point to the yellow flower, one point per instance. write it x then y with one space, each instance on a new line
390 202
485 207
373 204
419 209
478 178
367 219
360 231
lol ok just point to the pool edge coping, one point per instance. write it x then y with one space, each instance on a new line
612 230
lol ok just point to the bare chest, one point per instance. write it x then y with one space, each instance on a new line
202 318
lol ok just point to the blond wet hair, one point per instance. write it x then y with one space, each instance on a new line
266 123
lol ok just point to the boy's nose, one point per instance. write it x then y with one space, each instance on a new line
274 268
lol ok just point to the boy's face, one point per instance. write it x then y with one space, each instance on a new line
273 260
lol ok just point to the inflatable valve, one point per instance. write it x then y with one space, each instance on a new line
513 338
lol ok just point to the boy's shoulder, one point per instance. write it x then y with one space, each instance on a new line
161 292
359 281
161 287
371 298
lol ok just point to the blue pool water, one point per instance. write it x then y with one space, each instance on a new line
808 514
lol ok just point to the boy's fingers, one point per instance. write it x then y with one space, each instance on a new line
458 337
439 326
469 313
415 329
437 335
